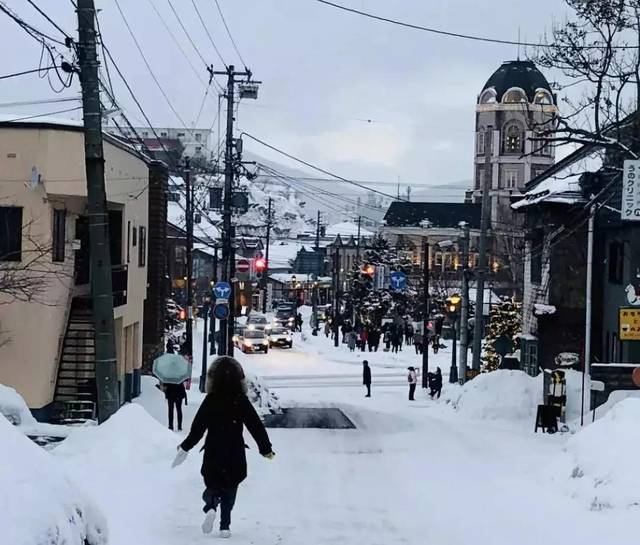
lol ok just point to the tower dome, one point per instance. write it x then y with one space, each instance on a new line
517 81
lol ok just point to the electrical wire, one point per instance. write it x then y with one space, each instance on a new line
25 72
36 102
457 34
41 12
206 29
38 35
42 115
235 46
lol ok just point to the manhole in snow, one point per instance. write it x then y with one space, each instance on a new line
301 417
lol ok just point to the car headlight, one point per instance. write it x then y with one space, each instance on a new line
247 343
251 327
235 338
265 342
290 320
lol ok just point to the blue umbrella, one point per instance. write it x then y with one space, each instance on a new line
171 368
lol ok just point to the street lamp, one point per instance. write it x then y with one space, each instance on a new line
453 303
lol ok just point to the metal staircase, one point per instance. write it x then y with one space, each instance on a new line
75 394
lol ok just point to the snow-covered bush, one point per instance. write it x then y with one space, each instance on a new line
14 408
605 455
38 503
263 399
501 395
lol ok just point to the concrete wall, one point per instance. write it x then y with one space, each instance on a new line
33 330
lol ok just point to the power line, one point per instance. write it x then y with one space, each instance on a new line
393 197
224 22
457 34
25 72
36 102
35 6
42 115
213 43
38 35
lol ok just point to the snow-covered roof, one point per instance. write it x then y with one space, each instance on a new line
283 278
562 185
281 252
347 228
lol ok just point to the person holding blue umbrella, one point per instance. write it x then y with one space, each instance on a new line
224 413
173 370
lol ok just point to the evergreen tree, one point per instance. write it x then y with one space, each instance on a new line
506 320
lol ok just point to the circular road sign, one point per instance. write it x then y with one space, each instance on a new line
242 266
221 311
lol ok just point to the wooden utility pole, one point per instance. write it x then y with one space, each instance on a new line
478 326
358 241
265 273
212 323
336 296
99 250
464 318
318 232
425 316
189 256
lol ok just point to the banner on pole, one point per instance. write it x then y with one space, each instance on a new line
630 209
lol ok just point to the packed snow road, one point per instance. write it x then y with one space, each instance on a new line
411 472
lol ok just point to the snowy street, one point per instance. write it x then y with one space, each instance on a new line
412 472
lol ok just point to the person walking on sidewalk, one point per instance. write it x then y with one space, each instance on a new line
413 382
222 415
435 384
366 376
175 394
351 340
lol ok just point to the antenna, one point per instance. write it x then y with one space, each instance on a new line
518 43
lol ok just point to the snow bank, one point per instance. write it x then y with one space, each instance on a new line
606 455
130 434
14 408
38 504
263 399
499 395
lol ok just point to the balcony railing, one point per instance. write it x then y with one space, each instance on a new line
119 280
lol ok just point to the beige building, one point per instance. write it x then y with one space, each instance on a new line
46 330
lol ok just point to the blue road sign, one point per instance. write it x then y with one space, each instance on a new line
222 290
221 311
398 280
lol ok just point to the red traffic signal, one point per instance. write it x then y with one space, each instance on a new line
261 265
369 269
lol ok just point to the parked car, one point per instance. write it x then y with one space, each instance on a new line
258 322
253 340
280 336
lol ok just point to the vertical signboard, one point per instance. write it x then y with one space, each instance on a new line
630 209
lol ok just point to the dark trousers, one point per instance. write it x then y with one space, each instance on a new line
412 392
368 390
178 405
225 498
434 391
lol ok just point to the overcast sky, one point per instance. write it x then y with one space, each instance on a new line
361 98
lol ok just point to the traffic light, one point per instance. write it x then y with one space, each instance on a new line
369 270
261 265
453 303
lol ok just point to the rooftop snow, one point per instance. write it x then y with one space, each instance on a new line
347 228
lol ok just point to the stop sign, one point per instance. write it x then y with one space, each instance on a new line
243 266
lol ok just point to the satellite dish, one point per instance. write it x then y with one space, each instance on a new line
34 181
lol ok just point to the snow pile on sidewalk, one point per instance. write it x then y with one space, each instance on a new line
14 408
606 456
38 504
499 395
263 399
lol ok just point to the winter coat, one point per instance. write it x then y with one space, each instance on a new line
413 377
351 340
366 375
224 464
437 381
174 392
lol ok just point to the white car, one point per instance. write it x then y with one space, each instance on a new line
258 322
253 341
280 336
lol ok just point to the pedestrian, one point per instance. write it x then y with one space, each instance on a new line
351 341
408 333
376 339
417 342
299 322
170 349
175 394
387 340
222 415
364 338
436 344
435 384
412 377
395 339
366 376
183 351
327 329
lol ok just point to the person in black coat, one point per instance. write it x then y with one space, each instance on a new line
222 415
435 384
366 376
175 394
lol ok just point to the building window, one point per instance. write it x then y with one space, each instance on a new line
128 240
163 135
537 245
532 358
198 137
616 262
514 96
480 177
438 259
480 142
142 248
134 236
511 179
59 235
145 134
488 97
542 96
512 139
10 233
180 135
173 196
198 150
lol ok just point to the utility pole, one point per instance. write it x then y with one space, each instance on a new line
464 318
336 296
318 232
425 317
231 323
478 326
108 399
358 243
212 323
203 369
586 364
189 255
265 274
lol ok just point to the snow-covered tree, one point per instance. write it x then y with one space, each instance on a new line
506 321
